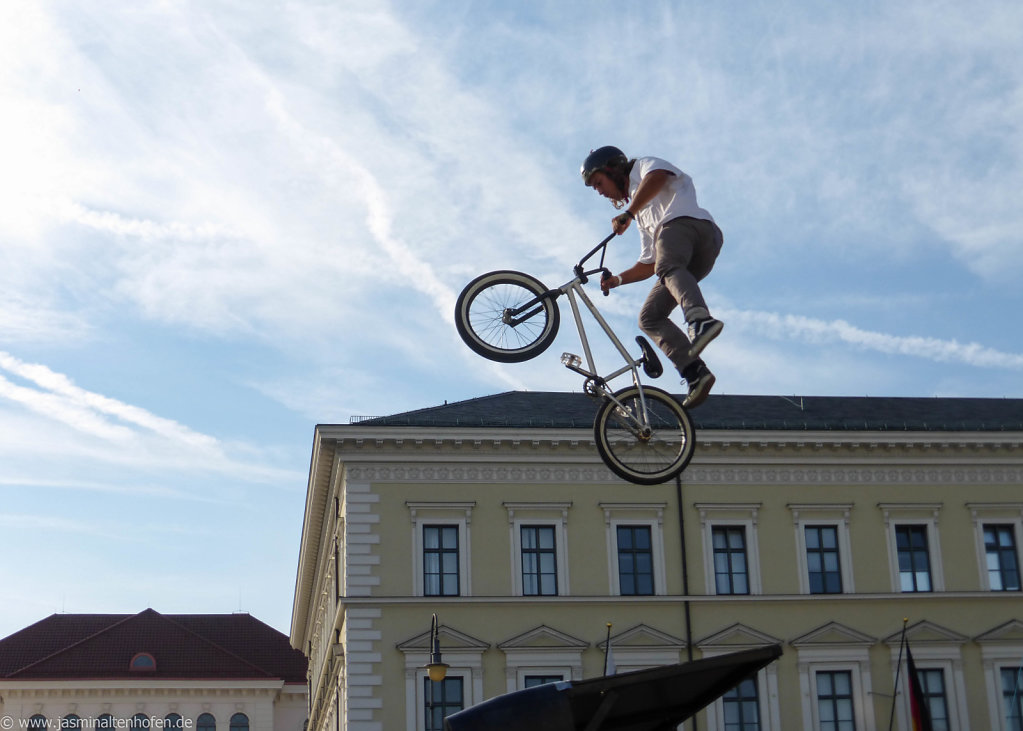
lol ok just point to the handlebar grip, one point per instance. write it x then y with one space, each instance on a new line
605 273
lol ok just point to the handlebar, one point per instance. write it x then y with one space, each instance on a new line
604 271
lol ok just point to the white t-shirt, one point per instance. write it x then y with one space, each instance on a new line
676 199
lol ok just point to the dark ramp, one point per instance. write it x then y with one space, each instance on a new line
645 700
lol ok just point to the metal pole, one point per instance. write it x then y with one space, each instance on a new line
898 669
685 575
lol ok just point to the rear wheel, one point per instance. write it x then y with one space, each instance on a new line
504 316
645 451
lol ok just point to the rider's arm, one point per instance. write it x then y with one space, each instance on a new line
636 273
649 187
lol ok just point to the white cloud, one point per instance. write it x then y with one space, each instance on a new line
806 329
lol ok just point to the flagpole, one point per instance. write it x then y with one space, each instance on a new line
607 647
898 670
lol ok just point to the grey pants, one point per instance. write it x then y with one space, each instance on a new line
686 249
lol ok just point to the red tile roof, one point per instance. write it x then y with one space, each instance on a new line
195 646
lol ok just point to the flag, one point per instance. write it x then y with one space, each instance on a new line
919 713
609 658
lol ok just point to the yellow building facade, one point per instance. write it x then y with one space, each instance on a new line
830 526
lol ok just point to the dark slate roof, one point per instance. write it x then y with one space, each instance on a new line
523 409
195 646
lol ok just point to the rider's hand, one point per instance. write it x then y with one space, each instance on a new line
608 282
620 223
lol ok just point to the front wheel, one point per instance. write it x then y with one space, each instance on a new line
645 450
506 316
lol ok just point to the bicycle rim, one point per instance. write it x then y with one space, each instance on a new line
640 459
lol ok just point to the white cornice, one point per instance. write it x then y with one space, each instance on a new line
593 471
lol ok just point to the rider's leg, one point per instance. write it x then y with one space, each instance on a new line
654 320
686 251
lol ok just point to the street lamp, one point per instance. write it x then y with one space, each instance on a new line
436 668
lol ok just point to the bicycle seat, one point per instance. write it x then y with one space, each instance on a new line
651 363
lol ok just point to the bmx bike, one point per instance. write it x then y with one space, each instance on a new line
642 433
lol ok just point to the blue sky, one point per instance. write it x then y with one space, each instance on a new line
225 222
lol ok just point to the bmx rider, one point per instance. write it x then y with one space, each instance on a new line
679 243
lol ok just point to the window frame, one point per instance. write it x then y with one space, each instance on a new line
427 683
538 551
441 513
464 656
758 704
815 690
554 515
731 515
897 515
649 515
727 530
634 552
844 649
824 515
985 514
441 551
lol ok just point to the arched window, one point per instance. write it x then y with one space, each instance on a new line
173 722
71 722
37 722
104 722
143 662
140 722
239 722
206 722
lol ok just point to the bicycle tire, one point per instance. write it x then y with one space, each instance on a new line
649 461
479 317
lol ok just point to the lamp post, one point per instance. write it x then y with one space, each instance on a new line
436 668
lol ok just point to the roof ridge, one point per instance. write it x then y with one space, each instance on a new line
218 646
76 643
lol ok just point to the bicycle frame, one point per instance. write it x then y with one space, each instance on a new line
573 289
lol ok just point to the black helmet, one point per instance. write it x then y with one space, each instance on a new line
601 159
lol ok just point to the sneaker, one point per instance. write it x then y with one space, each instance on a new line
699 387
702 332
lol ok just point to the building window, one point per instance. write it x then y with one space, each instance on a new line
239 722
731 573
932 684
635 560
835 701
914 558
1012 698
440 560
142 662
71 722
1002 559
730 536
441 534
206 722
539 560
824 569
635 548
37 722
105 721
442 699
140 722
531 681
173 722
742 707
